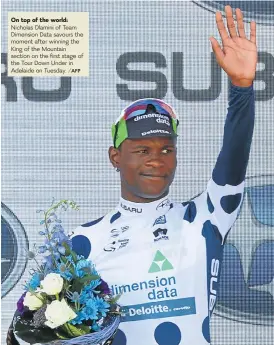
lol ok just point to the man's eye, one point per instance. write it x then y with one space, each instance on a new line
167 151
142 151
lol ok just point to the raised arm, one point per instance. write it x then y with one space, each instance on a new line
226 187
238 58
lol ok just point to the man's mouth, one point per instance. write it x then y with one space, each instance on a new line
154 176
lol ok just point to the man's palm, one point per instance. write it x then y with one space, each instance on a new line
238 56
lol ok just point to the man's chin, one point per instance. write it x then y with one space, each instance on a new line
153 194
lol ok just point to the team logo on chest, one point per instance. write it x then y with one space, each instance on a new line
115 241
163 204
159 233
160 220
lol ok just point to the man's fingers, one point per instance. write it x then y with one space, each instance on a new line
240 23
253 32
221 27
217 50
230 22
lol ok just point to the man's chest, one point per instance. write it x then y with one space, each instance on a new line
153 261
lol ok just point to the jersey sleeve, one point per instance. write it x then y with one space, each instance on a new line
224 192
85 238
81 243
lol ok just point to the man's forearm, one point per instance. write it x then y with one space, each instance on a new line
232 161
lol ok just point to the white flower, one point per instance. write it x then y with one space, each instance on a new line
58 313
52 284
33 302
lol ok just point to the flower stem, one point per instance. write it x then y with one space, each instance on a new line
57 296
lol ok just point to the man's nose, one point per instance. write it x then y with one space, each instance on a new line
155 160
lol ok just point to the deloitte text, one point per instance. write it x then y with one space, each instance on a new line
160 288
160 309
155 131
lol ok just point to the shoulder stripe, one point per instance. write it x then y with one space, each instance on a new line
115 217
191 211
92 222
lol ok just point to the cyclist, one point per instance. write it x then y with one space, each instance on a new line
165 257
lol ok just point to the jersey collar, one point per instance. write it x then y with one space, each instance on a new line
150 209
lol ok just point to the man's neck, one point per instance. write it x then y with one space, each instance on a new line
152 208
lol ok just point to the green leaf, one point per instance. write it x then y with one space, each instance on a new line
88 278
72 331
74 256
67 248
63 259
76 286
60 334
114 300
79 283
86 269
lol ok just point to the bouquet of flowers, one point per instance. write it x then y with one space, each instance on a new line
65 301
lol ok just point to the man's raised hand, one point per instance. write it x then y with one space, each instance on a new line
238 55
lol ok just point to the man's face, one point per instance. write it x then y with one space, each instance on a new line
147 167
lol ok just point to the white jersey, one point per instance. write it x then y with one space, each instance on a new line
165 259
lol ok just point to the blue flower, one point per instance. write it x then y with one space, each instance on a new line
78 319
61 250
62 269
73 296
92 285
58 227
79 268
48 264
88 291
42 249
47 244
103 306
93 271
70 258
34 282
90 310
85 296
56 255
60 237
79 257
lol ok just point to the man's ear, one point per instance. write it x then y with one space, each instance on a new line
114 156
